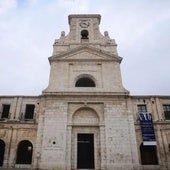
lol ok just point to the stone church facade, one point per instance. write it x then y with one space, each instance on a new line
85 118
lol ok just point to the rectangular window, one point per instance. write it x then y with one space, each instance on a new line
166 111
5 111
29 111
142 108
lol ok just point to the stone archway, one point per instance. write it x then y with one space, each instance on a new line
85 139
24 152
85 116
2 151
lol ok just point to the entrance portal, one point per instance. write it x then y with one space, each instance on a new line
2 150
85 151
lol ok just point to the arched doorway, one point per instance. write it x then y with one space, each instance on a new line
85 139
148 155
24 152
2 151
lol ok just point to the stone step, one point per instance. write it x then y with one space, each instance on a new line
14 168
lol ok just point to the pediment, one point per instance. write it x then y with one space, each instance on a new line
85 53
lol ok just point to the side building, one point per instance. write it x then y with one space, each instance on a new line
85 118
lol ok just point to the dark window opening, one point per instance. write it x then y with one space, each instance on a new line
2 151
84 34
24 152
85 151
166 111
29 111
142 108
85 82
148 155
5 111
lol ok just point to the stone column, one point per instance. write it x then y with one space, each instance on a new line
38 147
166 148
161 153
159 109
12 148
68 149
133 144
13 108
102 147
18 108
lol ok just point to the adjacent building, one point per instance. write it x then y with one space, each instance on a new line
85 118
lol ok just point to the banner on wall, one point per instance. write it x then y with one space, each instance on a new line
147 128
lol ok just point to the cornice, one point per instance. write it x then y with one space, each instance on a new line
103 54
98 16
86 94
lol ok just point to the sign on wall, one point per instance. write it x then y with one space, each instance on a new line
147 128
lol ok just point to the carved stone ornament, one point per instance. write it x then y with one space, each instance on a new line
84 24
2 133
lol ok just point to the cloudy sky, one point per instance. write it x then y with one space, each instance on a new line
141 29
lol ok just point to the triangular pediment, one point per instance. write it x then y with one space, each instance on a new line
85 53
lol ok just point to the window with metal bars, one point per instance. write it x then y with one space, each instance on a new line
166 109
142 108
5 111
29 111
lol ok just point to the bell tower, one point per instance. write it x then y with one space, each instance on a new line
84 28
84 120
85 54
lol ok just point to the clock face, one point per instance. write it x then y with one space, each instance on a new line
84 24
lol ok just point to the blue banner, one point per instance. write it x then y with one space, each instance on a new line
147 128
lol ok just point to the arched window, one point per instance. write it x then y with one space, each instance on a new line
24 152
85 82
84 34
2 151
148 155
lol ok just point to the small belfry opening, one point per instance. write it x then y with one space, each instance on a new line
84 34
85 82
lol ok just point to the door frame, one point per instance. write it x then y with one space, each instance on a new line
96 135
85 143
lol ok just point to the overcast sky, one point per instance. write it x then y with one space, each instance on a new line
28 29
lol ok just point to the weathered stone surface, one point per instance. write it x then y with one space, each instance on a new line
63 111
